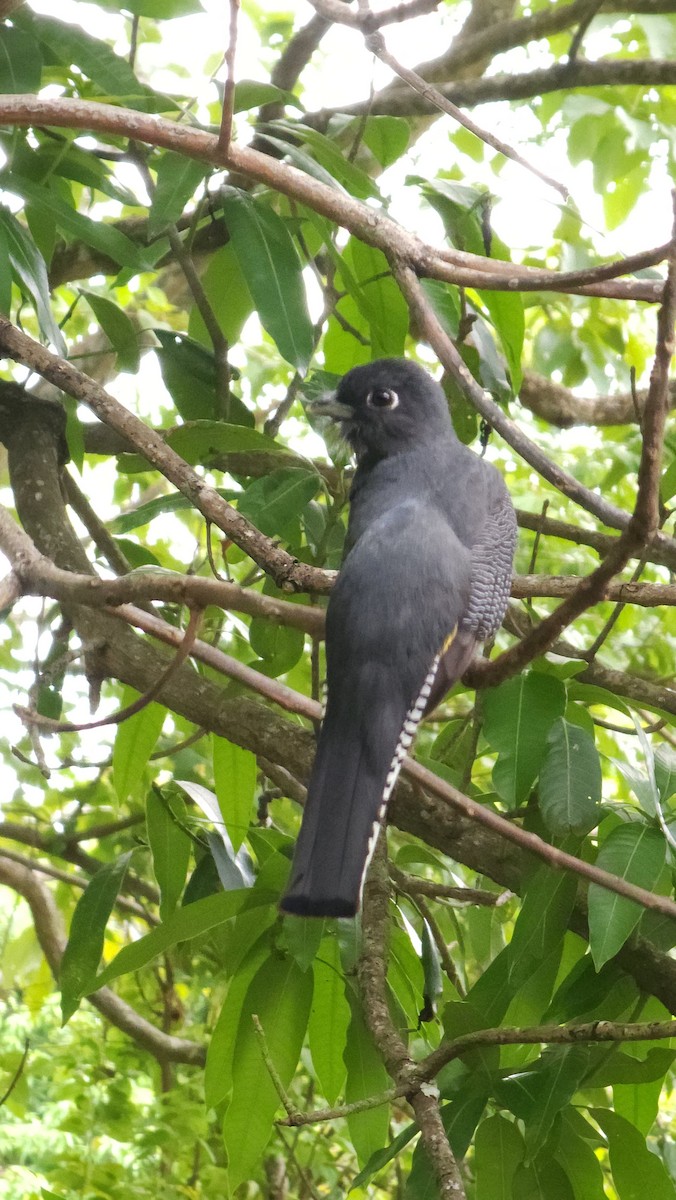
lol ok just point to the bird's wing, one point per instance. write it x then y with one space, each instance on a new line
403 588
492 553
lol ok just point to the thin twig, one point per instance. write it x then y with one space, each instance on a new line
123 714
582 28
415 886
225 134
338 12
286 1100
17 1074
217 338
95 527
594 1031
376 43
614 617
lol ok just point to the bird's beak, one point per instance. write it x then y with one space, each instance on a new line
328 406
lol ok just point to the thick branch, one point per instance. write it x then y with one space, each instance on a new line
38 576
561 407
361 219
373 985
489 89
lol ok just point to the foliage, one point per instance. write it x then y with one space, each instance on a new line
217 290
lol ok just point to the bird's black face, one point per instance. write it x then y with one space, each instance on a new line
386 405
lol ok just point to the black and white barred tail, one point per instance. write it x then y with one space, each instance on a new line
349 790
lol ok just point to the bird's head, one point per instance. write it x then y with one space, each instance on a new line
386 405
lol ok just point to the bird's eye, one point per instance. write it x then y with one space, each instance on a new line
382 398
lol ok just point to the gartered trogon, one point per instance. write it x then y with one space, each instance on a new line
426 577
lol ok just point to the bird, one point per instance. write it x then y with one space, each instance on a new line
425 578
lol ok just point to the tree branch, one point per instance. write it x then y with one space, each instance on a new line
372 971
553 1035
373 227
644 521
286 571
431 328
561 407
492 88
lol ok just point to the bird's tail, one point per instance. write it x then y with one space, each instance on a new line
359 756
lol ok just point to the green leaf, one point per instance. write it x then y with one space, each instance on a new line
579 1162
431 963
554 1081
542 922
218 1072
71 44
368 279
387 138
201 441
461 209
234 868
206 441
135 741
518 717
634 852
73 224
506 311
280 995
301 938
31 273
366 1076
621 1068
639 1103
72 162
227 291
570 780
301 159
20 61
668 482
118 329
273 272
235 785
189 374
329 1020
498 1150
276 500
665 772
627 188
279 646
83 951
329 155
542 1179
187 922
157 10
636 1172
177 179
381 1157
250 93
169 843
145 513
